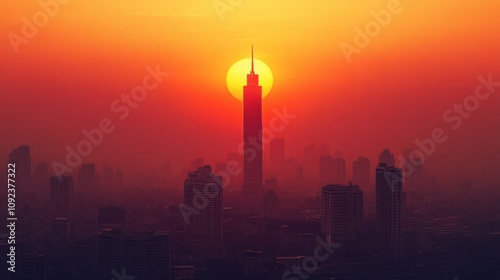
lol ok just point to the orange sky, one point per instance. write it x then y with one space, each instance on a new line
427 58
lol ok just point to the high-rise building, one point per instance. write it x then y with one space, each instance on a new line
338 170
341 212
203 191
61 197
271 199
22 159
253 189
87 178
277 155
389 207
387 158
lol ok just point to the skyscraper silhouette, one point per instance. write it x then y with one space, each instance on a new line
253 190
389 207
341 212
22 158
203 191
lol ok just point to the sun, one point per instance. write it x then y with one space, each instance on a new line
236 77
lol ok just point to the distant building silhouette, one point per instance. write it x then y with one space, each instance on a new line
22 158
389 207
253 189
386 158
341 212
203 191
271 199
61 197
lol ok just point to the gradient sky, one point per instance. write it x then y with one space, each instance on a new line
428 58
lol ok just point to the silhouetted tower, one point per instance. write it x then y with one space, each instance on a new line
22 159
271 199
252 190
203 191
341 212
389 207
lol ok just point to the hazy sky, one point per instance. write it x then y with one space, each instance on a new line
395 90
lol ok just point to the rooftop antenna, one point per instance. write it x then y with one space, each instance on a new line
252 58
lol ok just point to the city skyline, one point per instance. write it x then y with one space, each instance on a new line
250 140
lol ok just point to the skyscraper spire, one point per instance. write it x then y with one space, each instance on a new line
252 59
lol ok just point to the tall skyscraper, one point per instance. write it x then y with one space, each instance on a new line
338 170
389 207
341 212
22 158
203 191
252 190
61 197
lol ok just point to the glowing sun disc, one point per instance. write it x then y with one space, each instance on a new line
236 77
